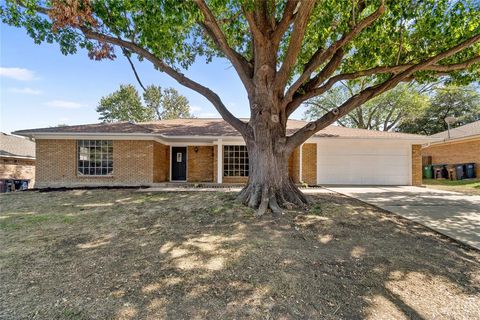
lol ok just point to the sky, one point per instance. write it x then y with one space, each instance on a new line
40 87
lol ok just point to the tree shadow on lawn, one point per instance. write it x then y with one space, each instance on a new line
200 255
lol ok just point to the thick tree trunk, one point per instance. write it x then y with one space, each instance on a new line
269 184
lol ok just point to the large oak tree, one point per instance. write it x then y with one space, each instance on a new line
284 52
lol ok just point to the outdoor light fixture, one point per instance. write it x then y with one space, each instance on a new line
195 149
450 121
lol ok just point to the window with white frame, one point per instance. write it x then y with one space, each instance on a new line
235 161
95 157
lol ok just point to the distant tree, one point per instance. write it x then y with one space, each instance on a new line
384 112
168 104
463 103
125 104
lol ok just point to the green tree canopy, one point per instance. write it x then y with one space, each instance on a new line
384 112
167 104
125 104
463 103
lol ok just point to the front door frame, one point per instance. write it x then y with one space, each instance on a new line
171 163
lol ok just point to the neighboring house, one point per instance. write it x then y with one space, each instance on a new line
210 150
17 158
462 145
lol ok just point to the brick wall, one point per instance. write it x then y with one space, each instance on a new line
161 162
57 164
224 179
199 166
294 165
309 166
455 152
416 165
15 168
309 163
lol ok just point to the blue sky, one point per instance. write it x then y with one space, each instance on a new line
40 87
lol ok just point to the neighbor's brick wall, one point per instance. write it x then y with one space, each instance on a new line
416 165
199 166
309 163
57 164
14 168
455 152
161 162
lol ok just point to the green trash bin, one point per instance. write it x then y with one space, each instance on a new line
428 172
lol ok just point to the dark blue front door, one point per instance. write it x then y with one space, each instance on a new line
179 163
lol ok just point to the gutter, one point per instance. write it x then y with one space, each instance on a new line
454 140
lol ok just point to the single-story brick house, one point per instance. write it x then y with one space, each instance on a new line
461 145
210 150
17 158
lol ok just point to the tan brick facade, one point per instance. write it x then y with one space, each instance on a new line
309 163
161 162
199 166
416 165
18 168
141 162
455 152
294 165
138 162
133 164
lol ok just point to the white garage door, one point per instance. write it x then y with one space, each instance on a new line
363 162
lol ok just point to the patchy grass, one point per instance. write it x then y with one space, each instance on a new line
121 254
467 186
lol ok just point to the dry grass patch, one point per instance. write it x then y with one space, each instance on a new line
122 254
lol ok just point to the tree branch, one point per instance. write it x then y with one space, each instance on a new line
298 99
285 21
241 126
295 45
311 128
241 65
126 53
320 55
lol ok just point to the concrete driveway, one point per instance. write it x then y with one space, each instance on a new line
453 214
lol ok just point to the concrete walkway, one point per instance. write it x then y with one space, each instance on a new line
453 214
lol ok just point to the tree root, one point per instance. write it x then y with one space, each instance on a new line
265 198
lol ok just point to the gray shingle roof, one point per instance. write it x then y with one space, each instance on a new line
205 127
465 131
11 146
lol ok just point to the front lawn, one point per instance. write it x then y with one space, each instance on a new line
123 254
467 186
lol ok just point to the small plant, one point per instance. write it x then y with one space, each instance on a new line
303 184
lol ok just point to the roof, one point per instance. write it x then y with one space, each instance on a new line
16 147
203 127
465 131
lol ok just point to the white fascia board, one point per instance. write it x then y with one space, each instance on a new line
17 157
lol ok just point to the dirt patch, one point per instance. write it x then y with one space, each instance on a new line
121 254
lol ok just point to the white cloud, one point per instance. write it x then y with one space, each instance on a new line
64 104
21 74
26 91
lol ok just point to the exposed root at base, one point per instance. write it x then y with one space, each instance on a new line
264 198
